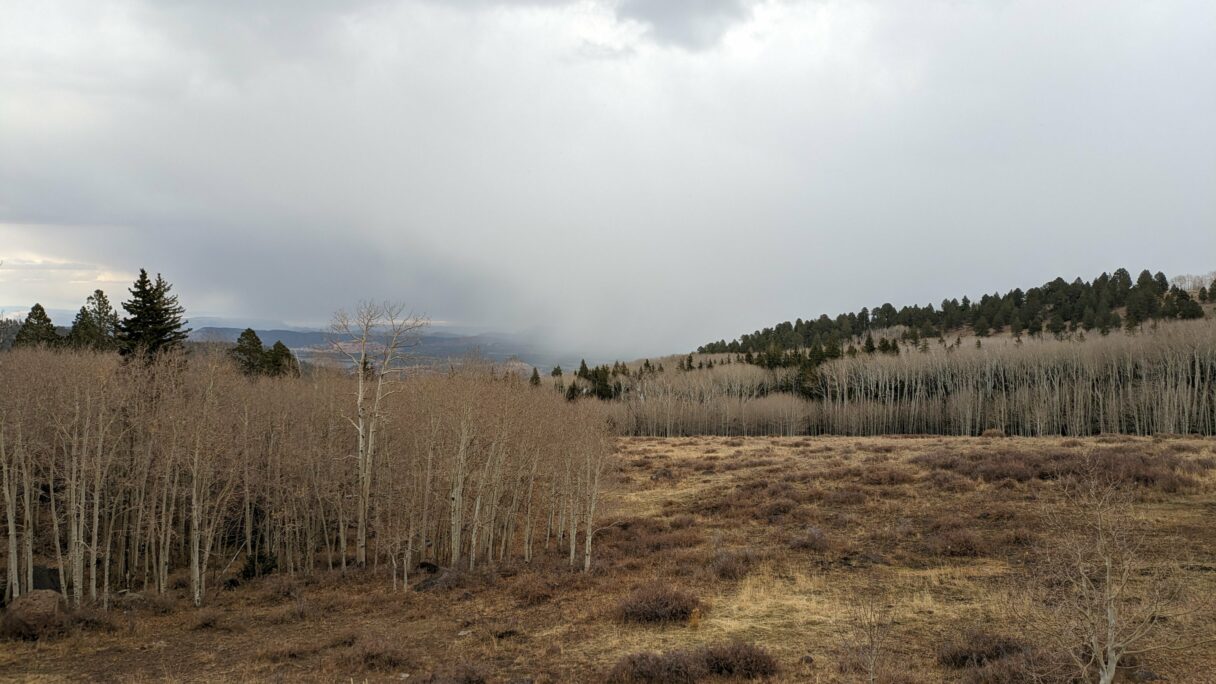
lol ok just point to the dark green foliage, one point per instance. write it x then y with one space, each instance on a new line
1060 307
96 325
535 379
154 319
279 361
556 372
37 330
248 353
258 565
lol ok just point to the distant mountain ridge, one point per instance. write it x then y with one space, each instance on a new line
433 347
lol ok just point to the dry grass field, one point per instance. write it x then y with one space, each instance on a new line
803 547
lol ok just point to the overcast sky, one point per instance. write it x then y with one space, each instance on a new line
632 177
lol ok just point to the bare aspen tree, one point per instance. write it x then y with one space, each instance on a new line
867 635
1105 596
8 473
374 339
136 472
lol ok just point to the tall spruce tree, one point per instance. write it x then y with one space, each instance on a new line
37 330
154 319
248 353
535 379
96 324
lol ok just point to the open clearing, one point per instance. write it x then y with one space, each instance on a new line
777 537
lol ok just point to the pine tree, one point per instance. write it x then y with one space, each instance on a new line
1203 294
37 330
96 324
279 361
535 379
869 347
583 372
556 372
154 319
249 354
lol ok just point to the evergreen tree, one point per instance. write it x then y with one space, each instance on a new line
1203 294
535 379
37 330
556 372
8 331
583 372
249 354
279 361
154 319
96 324
869 347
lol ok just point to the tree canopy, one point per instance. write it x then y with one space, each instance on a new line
37 330
154 318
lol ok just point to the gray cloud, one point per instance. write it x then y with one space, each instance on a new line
693 24
557 165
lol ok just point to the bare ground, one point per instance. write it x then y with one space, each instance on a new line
941 530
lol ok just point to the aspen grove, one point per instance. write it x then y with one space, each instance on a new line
126 472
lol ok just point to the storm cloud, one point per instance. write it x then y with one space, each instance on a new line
624 178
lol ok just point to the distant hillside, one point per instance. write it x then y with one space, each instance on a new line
433 348
1108 302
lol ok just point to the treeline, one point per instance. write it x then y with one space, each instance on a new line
1162 380
153 323
124 472
1057 307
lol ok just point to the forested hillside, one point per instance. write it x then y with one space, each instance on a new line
1106 303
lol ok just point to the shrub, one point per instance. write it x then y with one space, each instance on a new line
298 610
731 565
280 587
886 475
32 625
258 564
207 618
533 590
949 482
681 522
657 603
776 508
811 539
738 659
374 654
955 542
976 647
993 432
676 667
